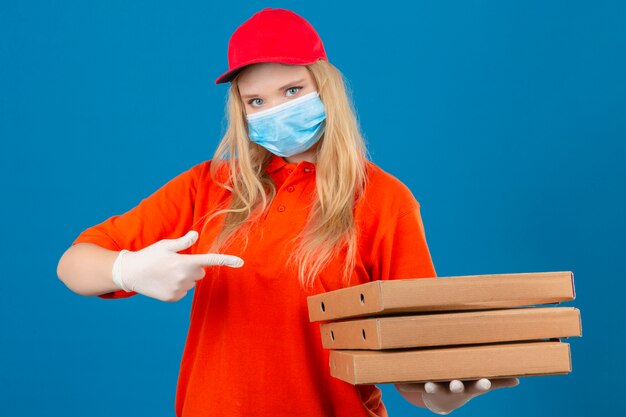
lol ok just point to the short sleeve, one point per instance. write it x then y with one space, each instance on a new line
371 398
403 252
165 214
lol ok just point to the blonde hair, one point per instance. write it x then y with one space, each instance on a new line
340 180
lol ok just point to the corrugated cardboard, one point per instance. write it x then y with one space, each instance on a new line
445 364
462 328
474 292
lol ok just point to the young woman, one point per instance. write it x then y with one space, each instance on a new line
288 206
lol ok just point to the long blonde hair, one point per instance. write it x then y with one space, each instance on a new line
340 180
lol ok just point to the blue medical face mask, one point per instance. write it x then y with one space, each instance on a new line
289 128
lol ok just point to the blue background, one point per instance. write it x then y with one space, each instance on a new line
506 119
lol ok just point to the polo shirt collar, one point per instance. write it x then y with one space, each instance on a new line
278 162
275 163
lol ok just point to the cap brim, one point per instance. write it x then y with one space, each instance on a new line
229 75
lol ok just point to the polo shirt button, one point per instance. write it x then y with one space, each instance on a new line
281 208
307 169
290 188
289 171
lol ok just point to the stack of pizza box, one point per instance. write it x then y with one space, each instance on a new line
445 328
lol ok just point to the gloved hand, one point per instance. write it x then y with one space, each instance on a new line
442 398
157 271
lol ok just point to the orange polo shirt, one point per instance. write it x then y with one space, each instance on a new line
251 350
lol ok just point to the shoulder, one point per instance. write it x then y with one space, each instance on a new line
386 192
191 178
202 171
385 201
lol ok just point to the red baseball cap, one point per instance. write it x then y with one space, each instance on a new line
273 35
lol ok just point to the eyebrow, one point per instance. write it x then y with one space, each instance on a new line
279 89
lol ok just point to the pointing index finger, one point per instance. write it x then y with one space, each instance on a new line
215 259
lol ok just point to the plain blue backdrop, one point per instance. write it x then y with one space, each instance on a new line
506 119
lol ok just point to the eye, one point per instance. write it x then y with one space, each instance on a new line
255 101
294 90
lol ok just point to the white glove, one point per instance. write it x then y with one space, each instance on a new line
442 398
157 271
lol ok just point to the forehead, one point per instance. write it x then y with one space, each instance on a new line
270 76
